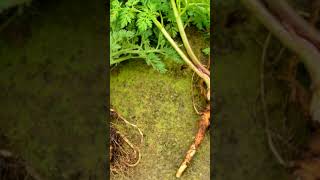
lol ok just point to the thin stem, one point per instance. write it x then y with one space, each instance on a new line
179 5
134 51
306 50
124 59
159 32
185 39
186 24
158 43
184 10
291 32
123 51
264 104
203 75
285 13
198 4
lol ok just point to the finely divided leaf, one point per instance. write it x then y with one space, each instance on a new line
172 54
172 30
153 60
144 21
132 2
126 16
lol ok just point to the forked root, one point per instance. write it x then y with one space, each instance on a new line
203 126
120 157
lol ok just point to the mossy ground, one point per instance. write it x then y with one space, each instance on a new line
161 105
52 83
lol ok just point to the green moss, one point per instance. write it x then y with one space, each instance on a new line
161 105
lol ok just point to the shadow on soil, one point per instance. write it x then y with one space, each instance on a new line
52 83
240 144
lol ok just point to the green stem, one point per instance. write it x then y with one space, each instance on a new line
185 39
184 10
123 59
203 75
186 24
158 43
178 5
198 4
123 51
133 51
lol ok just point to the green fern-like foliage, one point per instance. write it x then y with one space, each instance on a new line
206 51
134 36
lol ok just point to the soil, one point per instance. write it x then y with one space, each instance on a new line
52 82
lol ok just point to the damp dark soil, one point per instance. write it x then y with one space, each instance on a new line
52 88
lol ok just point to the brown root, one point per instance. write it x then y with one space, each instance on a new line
116 115
203 126
123 153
